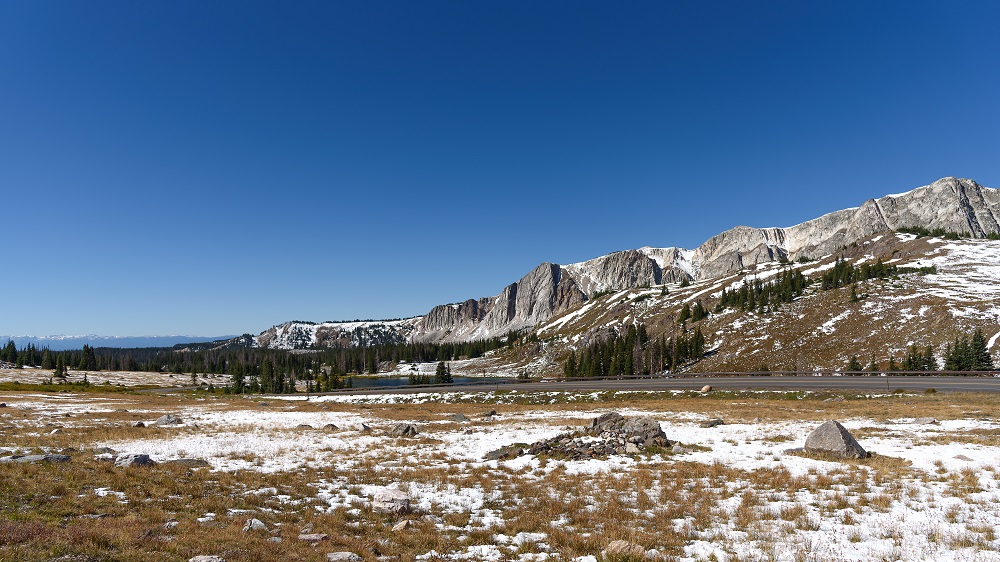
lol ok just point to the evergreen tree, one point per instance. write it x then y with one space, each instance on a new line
443 374
854 364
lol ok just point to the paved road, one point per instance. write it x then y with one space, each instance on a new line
796 382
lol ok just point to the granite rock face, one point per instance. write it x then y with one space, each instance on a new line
952 204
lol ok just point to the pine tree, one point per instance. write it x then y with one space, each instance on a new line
854 364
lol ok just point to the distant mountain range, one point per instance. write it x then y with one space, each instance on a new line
947 283
60 343
550 290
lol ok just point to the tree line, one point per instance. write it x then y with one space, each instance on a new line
635 353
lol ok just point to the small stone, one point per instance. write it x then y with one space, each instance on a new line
138 424
105 451
254 525
404 430
343 557
55 431
134 460
313 537
167 419
274 539
925 421
459 418
365 428
631 448
711 423
303 426
403 525
330 427
622 549
962 458
170 524
489 413
204 558
391 500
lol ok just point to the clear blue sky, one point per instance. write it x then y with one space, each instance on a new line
207 168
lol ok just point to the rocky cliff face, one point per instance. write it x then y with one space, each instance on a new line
957 205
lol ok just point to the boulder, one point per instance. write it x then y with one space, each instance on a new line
138 424
611 421
646 429
459 418
167 419
204 558
403 525
330 427
925 421
134 460
831 438
342 557
313 537
3 404
55 431
711 423
254 525
404 430
391 500
303 426
622 549
706 388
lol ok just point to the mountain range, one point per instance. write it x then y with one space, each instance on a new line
551 291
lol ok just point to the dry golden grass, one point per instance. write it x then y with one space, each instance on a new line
661 502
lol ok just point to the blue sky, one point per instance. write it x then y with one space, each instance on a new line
211 168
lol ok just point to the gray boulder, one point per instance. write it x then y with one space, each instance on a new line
167 419
204 558
254 525
711 423
611 421
831 438
459 418
646 429
330 427
391 500
134 460
404 430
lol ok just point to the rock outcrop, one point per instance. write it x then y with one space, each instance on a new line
951 204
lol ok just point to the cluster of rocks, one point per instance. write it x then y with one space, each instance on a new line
608 434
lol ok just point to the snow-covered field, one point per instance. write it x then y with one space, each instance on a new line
738 491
